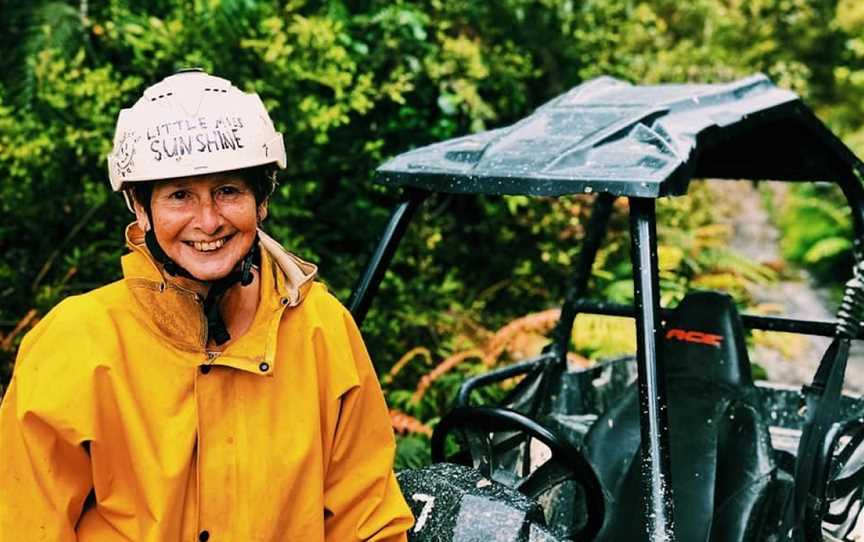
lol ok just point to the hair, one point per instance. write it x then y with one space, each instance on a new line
261 179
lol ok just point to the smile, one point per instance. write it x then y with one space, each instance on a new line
208 246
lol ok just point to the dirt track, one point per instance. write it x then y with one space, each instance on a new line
787 359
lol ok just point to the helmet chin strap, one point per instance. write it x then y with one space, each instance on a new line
171 267
217 331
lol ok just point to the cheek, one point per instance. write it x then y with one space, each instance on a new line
244 218
167 227
168 238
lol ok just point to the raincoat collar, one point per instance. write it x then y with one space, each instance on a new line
172 306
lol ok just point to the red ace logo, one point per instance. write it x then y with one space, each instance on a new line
697 337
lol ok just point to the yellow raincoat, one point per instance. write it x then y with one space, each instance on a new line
119 425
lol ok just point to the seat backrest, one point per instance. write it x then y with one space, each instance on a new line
721 455
703 339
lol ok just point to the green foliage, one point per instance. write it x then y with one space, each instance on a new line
412 452
817 231
352 83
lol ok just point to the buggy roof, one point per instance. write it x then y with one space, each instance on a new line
607 135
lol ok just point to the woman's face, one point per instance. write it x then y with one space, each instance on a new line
205 223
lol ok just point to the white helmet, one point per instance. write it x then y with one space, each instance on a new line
192 123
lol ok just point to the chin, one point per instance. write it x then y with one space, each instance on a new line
209 277
210 274
208 268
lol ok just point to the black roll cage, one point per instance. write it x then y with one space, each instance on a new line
842 166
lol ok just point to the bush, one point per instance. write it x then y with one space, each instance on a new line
350 84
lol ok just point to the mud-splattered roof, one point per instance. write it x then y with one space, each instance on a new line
607 135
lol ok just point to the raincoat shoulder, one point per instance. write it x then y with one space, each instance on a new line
47 414
336 339
59 357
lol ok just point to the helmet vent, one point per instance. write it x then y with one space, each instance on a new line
162 96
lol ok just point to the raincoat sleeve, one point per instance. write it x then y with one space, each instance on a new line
361 496
44 468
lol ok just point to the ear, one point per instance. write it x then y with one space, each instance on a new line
141 216
262 211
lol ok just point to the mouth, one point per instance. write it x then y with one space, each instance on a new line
209 246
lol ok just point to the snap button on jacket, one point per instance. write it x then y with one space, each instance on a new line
120 425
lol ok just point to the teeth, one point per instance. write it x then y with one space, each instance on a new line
208 246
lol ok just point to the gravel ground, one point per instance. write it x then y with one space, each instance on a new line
789 359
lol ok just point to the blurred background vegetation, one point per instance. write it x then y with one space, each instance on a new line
351 83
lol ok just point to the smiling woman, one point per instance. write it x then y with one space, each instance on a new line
217 390
206 223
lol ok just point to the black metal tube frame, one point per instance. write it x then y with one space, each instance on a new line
820 328
463 398
653 404
594 233
367 286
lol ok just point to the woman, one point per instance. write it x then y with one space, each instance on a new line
216 392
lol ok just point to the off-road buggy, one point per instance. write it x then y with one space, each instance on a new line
677 442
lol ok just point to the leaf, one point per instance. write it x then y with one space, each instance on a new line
669 257
620 291
827 248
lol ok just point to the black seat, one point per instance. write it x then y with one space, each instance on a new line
721 457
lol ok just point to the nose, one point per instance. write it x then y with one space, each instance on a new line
209 219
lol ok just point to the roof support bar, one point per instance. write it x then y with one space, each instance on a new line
594 233
653 405
819 328
367 286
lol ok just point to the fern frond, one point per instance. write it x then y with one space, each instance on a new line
603 336
25 323
55 26
441 369
420 351
539 322
404 424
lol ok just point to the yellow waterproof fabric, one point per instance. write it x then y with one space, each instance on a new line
110 429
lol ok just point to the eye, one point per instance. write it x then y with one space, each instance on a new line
179 195
228 190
